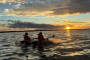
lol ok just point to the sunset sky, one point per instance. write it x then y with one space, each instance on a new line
21 15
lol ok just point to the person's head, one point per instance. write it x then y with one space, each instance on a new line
40 33
26 33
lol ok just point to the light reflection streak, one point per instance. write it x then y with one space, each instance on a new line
68 34
77 53
69 39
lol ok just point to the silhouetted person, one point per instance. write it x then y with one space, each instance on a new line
40 42
27 40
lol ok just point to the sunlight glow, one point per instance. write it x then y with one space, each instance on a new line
67 27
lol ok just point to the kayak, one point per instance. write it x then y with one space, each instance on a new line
46 42
30 51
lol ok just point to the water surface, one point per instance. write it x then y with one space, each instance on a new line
73 42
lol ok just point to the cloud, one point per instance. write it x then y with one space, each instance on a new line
69 23
3 25
9 3
73 7
2 1
7 20
73 25
16 6
31 9
77 25
17 1
6 10
51 8
55 21
19 24
28 9
73 22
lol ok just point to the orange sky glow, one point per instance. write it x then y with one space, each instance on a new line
44 15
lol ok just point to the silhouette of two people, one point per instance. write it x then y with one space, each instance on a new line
39 43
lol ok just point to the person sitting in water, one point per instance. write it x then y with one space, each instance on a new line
26 37
40 42
27 40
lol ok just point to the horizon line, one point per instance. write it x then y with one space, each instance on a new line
40 30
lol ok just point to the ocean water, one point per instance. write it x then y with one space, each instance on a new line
73 42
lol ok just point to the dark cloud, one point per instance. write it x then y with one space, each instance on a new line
36 8
74 6
7 20
19 24
3 25
80 6
31 9
10 21
53 7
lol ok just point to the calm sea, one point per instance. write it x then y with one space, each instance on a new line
73 42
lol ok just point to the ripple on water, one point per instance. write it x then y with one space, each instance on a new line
2 41
1 54
14 53
76 43
20 54
13 58
7 45
8 55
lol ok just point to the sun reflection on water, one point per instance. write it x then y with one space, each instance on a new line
71 43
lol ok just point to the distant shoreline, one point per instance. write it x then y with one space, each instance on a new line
39 30
26 31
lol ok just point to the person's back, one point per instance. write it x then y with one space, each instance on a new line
27 39
40 42
40 37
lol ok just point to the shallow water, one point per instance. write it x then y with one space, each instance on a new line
73 42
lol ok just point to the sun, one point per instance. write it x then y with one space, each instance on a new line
67 27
